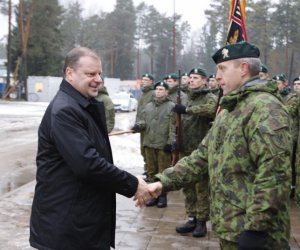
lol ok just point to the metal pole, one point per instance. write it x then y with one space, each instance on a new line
174 38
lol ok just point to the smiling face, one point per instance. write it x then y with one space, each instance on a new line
230 75
85 77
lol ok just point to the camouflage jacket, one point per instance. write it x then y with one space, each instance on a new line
173 96
146 97
109 108
291 101
158 123
247 156
201 107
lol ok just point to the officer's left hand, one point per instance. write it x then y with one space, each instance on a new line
179 108
252 240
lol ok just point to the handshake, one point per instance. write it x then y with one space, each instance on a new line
145 192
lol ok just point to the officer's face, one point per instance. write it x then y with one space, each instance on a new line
197 81
281 84
146 82
213 84
160 91
185 80
172 83
85 78
297 86
263 75
230 75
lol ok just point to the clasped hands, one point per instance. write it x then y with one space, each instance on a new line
145 192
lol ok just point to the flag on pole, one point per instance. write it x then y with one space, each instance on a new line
237 22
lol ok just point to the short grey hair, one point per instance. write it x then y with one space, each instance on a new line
254 64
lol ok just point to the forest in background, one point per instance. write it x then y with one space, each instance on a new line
136 39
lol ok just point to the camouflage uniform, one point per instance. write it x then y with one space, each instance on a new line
297 165
109 108
158 123
247 156
291 101
173 96
201 107
146 97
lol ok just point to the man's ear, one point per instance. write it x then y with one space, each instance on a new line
244 68
68 73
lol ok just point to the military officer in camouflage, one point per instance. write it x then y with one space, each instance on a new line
172 81
291 101
185 80
213 84
103 96
246 154
146 97
296 86
197 117
264 72
158 122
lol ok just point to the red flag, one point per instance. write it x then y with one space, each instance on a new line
237 27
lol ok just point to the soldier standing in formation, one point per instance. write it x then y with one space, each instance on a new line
264 72
158 122
296 85
247 156
185 80
196 121
291 101
103 96
172 81
146 97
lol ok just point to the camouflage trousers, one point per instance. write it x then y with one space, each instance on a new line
157 161
197 202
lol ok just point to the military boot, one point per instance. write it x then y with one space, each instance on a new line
200 230
187 227
162 201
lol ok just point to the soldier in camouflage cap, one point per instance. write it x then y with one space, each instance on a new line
158 122
103 96
291 101
146 97
196 121
172 81
246 154
264 72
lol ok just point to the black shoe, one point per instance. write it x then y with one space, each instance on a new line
187 227
200 230
152 202
162 201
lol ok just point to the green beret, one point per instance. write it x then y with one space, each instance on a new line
198 71
185 74
296 79
236 51
264 68
163 84
149 76
279 77
212 76
171 76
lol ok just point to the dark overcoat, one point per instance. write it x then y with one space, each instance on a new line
74 205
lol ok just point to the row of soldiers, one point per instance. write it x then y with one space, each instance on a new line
155 120
290 96
199 94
